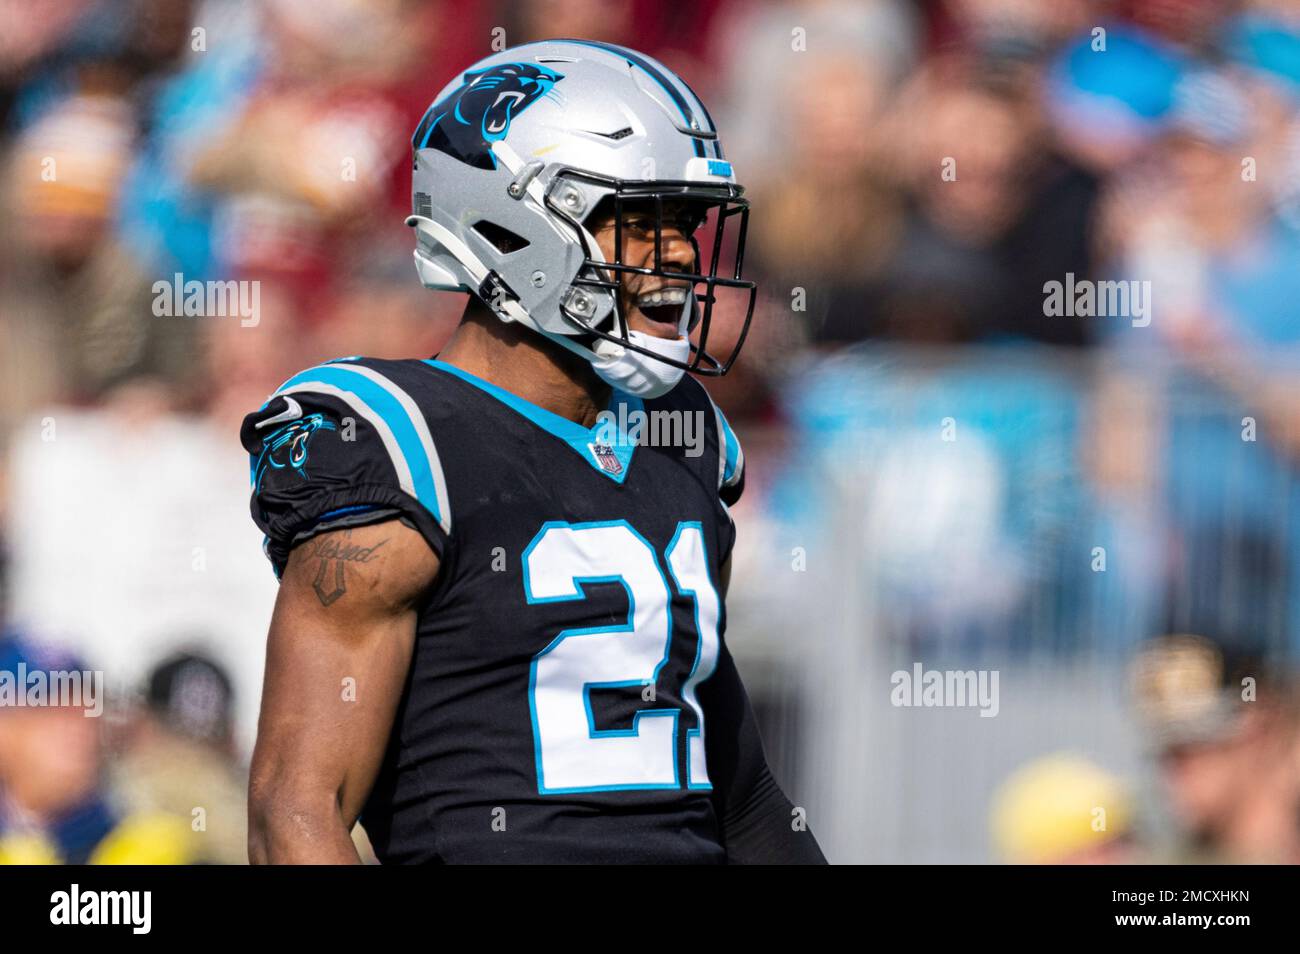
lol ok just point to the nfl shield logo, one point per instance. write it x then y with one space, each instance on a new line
605 456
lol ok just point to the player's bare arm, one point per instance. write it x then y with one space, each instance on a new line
337 655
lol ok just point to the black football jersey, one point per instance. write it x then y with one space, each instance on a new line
553 708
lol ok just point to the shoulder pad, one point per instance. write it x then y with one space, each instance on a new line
342 444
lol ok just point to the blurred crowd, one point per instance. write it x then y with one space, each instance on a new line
1223 732
921 172
148 778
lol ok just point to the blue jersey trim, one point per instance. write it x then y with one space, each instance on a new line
580 439
382 401
730 448
343 511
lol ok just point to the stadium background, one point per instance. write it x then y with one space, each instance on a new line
939 471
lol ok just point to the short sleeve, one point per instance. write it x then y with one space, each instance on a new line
731 460
342 445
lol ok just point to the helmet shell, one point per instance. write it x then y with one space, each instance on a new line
515 153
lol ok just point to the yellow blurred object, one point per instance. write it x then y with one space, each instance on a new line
173 776
146 839
27 849
1056 808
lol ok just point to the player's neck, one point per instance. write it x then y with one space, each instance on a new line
527 365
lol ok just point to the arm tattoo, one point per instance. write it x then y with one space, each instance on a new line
331 549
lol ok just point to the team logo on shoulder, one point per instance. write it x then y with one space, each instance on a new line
465 123
287 447
607 459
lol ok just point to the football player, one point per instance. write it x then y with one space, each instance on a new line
499 630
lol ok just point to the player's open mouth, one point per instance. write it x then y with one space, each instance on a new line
663 305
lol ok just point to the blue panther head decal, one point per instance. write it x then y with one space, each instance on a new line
466 122
287 447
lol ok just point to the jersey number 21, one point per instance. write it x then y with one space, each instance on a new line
572 754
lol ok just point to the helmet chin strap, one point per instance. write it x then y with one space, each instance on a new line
631 371
641 374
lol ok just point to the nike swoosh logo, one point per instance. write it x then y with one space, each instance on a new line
292 412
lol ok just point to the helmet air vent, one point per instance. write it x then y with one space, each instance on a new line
500 237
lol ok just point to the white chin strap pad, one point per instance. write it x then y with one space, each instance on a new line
637 373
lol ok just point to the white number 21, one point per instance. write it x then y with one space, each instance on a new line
572 754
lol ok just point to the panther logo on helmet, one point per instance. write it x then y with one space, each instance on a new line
465 123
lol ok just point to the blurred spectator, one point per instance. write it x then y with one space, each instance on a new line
178 756
54 803
66 282
1226 731
73 297
1196 219
995 211
773 55
817 78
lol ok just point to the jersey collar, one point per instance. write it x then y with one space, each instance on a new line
605 446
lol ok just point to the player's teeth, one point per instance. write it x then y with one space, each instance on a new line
664 296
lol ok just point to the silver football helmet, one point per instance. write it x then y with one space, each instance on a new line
512 159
